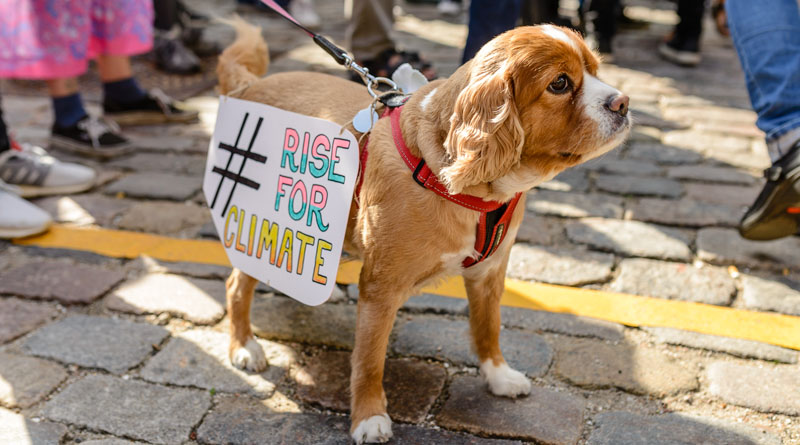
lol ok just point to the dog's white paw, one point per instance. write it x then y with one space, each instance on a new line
504 381
250 357
376 429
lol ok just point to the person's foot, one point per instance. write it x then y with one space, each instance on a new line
449 7
388 61
171 55
303 11
20 218
91 136
154 108
681 51
36 173
776 211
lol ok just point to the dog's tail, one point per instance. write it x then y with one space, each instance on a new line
245 60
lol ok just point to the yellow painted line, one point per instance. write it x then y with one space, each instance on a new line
631 310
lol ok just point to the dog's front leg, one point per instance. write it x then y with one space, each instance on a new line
485 283
244 351
378 303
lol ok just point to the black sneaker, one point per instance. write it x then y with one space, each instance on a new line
171 55
681 51
91 136
154 108
776 211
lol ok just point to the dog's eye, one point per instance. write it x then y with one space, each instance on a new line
559 86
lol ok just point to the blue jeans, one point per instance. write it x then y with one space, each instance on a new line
766 34
487 19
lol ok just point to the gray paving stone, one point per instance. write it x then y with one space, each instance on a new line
449 340
17 430
626 167
198 300
412 386
621 428
726 246
25 380
703 141
286 319
546 416
198 270
662 154
571 180
109 442
639 186
436 304
707 173
163 217
130 408
777 294
66 283
156 186
18 317
162 162
731 195
96 342
574 205
558 266
595 365
541 230
409 434
170 143
199 358
685 212
768 389
84 209
732 346
630 238
674 281
560 323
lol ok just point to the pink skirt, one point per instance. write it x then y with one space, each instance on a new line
47 39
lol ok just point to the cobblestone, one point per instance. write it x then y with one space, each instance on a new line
621 428
626 167
18 430
768 389
561 323
448 340
639 186
732 346
26 380
412 386
546 416
572 180
725 246
625 237
436 303
130 408
685 212
595 365
730 195
199 358
156 186
163 218
711 174
662 154
84 209
18 317
777 294
285 319
66 283
674 281
541 230
559 266
96 342
198 300
573 205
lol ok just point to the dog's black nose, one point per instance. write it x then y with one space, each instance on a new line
618 104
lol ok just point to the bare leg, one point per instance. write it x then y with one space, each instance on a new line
484 289
114 68
62 87
244 351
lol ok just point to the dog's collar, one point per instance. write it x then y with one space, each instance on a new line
495 216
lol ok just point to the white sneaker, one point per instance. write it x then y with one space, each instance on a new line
449 7
36 173
18 217
303 11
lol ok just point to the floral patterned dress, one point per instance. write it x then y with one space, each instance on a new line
46 39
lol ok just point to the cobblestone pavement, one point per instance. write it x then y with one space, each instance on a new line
97 350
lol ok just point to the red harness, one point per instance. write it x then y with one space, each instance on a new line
495 216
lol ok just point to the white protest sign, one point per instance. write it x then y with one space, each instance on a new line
279 186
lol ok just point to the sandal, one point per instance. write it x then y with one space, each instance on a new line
388 61
720 18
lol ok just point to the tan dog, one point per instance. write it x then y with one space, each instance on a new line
525 108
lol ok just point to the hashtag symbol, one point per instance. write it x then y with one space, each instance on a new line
237 178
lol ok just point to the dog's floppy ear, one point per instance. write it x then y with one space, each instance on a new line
485 137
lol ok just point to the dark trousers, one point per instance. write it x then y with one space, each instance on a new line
487 19
5 144
691 14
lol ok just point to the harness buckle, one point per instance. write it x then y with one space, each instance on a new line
416 173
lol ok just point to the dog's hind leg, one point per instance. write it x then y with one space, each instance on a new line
378 302
244 351
484 288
